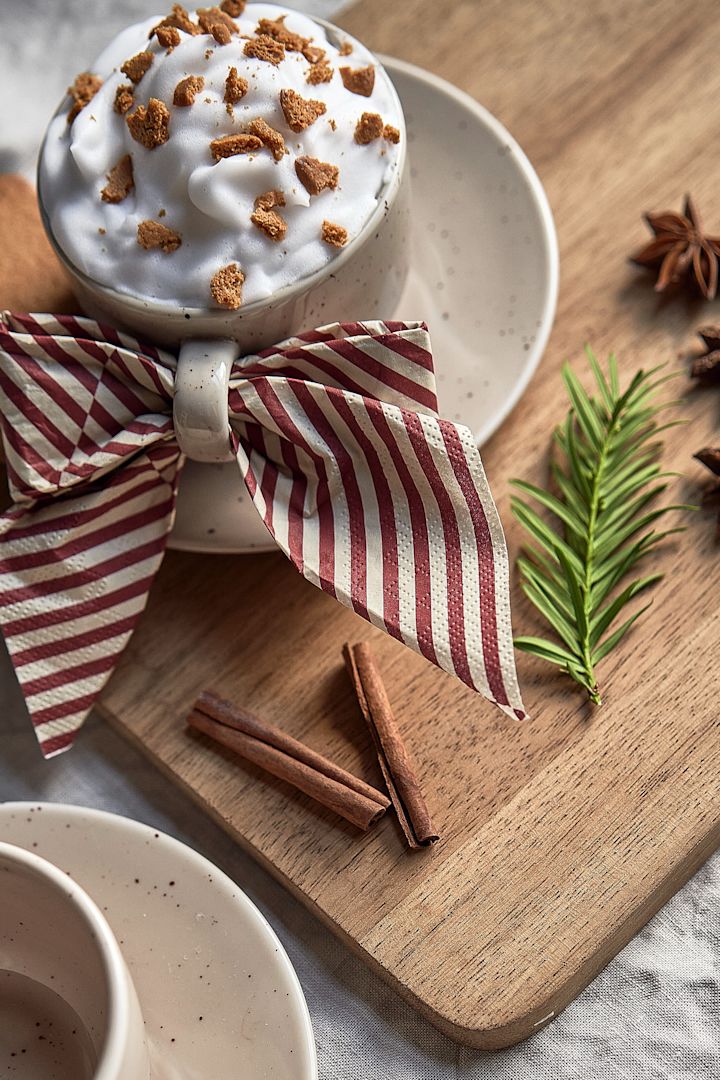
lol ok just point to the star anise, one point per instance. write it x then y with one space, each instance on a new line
710 458
706 367
681 250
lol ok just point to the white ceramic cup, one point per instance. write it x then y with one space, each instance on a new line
68 1008
364 280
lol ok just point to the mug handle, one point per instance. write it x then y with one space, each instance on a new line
200 405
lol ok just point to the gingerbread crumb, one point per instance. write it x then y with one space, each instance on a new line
178 18
149 126
231 145
186 90
168 37
300 112
136 66
102 231
270 222
124 99
226 286
269 137
162 213
265 48
151 234
82 91
120 181
313 54
368 128
277 30
346 48
319 73
333 234
315 175
391 133
332 124
214 16
268 199
359 80
234 8
235 87
222 35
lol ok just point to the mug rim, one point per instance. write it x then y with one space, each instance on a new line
118 990
171 312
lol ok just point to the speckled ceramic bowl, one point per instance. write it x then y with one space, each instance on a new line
365 278
219 996
68 1007
362 281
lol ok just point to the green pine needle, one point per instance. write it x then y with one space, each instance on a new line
602 520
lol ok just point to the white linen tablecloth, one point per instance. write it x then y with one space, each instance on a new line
653 1014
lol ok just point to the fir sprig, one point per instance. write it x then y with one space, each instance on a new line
606 477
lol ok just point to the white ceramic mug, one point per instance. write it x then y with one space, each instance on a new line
364 280
68 1008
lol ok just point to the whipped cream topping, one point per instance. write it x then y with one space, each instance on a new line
205 196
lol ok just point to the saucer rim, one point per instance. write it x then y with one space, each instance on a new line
547 221
181 850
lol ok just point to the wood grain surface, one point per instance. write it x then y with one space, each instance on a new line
31 276
563 835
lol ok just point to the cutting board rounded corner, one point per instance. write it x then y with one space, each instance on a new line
486 1033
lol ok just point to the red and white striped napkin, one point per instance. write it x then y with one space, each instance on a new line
373 498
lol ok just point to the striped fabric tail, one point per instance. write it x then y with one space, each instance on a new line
375 499
93 467
74 579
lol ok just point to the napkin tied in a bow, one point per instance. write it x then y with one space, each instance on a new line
372 497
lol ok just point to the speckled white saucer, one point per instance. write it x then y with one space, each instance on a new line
484 277
218 993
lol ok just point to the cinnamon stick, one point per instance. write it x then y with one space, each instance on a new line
395 763
288 759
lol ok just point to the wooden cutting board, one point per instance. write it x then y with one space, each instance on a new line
562 836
